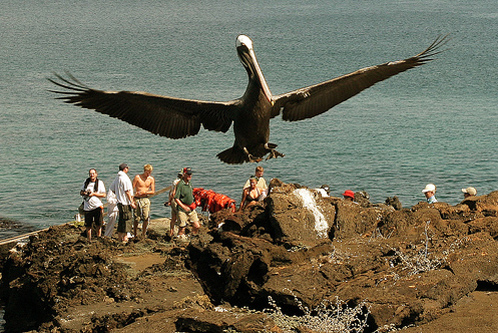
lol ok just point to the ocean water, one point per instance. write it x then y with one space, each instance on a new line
436 123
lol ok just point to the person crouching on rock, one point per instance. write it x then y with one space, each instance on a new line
184 198
92 190
251 194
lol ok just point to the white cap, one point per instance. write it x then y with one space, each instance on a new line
469 190
429 188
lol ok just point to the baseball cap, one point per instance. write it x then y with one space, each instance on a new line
469 190
187 171
429 188
348 193
123 166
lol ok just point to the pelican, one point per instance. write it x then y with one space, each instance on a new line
250 114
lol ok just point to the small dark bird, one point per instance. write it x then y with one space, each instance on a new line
250 114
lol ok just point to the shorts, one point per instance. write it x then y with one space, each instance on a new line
174 206
185 217
125 218
142 212
94 217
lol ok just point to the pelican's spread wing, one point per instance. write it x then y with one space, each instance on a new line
170 117
314 100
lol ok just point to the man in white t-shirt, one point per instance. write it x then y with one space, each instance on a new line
92 190
122 187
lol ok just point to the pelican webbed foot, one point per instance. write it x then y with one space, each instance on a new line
251 158
272 152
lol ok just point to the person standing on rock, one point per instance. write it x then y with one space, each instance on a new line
469 192
144 185
122 187
430 193
184 198
92 190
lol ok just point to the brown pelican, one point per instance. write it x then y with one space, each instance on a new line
250 114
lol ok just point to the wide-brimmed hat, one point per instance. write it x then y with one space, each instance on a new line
469 190
429 188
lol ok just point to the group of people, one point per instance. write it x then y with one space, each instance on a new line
128 201
430 193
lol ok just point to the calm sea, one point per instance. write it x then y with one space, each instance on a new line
436 123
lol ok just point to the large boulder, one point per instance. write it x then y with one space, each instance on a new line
299 215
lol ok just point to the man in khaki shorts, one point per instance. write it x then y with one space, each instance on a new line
184 198
144 185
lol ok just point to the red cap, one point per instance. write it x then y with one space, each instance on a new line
348 193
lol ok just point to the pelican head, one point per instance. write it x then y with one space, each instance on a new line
245 51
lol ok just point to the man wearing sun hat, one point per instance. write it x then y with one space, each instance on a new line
184 197
430 193
469 192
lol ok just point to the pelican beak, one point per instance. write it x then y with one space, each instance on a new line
260 76
248 59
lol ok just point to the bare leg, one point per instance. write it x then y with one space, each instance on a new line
135 228
89 233
145 224
172 224
196 227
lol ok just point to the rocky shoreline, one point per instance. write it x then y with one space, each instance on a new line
295 263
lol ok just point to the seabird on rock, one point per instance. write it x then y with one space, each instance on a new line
250 114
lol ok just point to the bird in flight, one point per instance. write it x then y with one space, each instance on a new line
250 114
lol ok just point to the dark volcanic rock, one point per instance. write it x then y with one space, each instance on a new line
410 266
402 266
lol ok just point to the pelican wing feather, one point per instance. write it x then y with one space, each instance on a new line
317 99
174 118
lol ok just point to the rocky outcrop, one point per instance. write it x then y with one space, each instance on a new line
396 266
409 265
